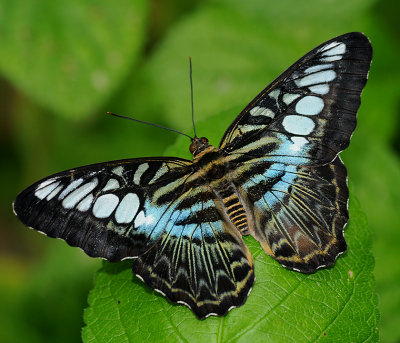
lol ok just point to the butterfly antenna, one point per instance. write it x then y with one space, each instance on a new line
191 94
145 122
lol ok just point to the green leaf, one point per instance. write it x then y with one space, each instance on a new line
70 56
336 304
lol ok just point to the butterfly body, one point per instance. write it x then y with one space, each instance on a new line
275 175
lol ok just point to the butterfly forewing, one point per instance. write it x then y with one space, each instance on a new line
276 176
308 114
105 209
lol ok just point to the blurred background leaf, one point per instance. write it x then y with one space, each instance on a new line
91 44
62 66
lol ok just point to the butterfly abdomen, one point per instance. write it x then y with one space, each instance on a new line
236 213
233 208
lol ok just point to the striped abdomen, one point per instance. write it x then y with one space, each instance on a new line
234 209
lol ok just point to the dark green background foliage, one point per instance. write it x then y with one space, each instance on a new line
62 66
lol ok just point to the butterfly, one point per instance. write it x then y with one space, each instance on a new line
276 175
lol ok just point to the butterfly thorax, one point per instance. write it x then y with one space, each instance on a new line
210 163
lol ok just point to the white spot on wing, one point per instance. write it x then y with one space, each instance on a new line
85 204
141 219
262 111
139 172
310 105
298 143
289 98
320 77
298 125
54 193
43 192
334 49
105 205
70 188
45 183
118 170
78 194
127 208
318 67
274 94
331 58
111 184
320 89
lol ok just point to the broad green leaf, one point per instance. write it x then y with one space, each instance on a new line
336 304
70 56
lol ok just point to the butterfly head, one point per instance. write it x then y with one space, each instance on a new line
198 145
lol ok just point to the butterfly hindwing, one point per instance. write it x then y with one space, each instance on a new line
308 114
299 212
200 260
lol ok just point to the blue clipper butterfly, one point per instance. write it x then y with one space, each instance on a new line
276 176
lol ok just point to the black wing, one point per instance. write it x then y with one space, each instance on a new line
106 209
307 115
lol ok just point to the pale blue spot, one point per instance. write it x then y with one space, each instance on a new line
310 105
144 220
78 194
331 58
298 125
43 192
289 98
70 188
262 111
331 49
111 184
320 89
118 170
54 193
45 183
139 172
318 67
85 204
128 208
274 94
105 205
298 143
320 77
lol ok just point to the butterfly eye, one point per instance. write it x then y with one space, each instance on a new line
192 148
204 140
